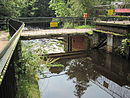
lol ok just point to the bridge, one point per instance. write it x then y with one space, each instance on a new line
75 39
11 51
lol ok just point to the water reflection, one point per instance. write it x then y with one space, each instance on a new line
81 71
56 70
98 75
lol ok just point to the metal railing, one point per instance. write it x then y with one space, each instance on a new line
113 18
44 22
7 52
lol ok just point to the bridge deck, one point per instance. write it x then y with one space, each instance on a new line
34 34
3 39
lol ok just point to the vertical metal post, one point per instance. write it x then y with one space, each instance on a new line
85 21
69 43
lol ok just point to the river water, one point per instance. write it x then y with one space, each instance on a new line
98 75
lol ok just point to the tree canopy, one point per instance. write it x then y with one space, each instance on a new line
47 8
76 8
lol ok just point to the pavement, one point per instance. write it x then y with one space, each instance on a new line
3 39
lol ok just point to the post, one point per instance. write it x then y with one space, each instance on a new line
85 17
95 39
85 21
68 43
109 43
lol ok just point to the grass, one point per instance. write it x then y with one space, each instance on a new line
84 27
68 25
90 32
27 75
55 65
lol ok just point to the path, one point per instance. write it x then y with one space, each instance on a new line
3 39
52 33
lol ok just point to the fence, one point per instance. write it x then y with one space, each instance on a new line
63 22
113 18
7 61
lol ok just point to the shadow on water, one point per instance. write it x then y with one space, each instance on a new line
99 75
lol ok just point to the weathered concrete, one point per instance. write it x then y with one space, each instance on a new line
116 31
95 39
36 34
109 43
119 27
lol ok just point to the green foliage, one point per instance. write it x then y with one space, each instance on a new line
7 8
51 61
124 45
68 25
60 8
90 32
25 8
28 9
84 27
27 74
31 64
75 8
55 65
9 37
42 8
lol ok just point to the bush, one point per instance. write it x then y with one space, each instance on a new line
68 25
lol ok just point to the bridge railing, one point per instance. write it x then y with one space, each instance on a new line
44 22
113 18
16 28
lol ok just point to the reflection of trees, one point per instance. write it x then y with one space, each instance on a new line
81 71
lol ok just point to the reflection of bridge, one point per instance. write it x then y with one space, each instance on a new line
114 72
115 90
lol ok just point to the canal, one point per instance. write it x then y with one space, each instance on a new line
97 75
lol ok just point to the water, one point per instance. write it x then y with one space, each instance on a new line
98 75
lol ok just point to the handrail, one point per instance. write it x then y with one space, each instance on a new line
48 19
44 17
8 50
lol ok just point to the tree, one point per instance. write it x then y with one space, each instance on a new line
75 8
27 10
60 7
7 8
42 8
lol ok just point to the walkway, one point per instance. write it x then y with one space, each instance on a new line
34 34
3 39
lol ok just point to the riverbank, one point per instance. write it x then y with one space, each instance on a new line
26 75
